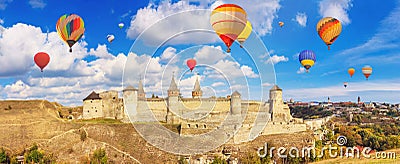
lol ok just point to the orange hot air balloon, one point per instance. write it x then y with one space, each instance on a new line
351 71
41 60
191 63
367 71
228 21
329 30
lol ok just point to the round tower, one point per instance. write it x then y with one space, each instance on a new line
236 103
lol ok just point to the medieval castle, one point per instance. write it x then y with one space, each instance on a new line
197 114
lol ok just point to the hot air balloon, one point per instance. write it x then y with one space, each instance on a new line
307 59
110 38
329 29
70 28
351 71
121 25
345 84
191 63
41 59
367 71
228 21
281 24
245 34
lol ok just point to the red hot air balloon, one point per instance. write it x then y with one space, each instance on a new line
41 60
191 63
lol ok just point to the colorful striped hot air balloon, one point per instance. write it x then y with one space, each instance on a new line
367 71
281 24
329 30
307 59
228 21
351 71
245 34
70 28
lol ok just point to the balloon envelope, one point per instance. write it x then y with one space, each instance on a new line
42 59
281 24
329 29
307 59
367 71
245 34
121 25
351 71
191 63
110 38
70 28
228 21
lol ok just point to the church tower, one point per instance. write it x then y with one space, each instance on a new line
141 93
173 102
197 93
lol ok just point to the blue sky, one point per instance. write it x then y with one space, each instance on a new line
370 36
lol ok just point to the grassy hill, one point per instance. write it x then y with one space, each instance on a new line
23 123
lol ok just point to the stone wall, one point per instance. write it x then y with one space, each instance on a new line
282 127
92 109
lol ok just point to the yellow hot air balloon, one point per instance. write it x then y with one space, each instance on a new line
245 34
228 21
329 29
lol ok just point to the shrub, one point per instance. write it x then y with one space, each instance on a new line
99 157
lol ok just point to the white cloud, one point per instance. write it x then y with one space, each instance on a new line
209 55
301 70
248 71
267 84
186 19
168 55
276 59
217 84
337 9
1 21
301 19
37 4
261 13
4 3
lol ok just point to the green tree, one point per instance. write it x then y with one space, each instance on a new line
99 157
3 156
34 155
218 160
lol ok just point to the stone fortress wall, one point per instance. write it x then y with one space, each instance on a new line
196 115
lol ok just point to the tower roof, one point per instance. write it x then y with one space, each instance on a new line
92 96
173 86
236 93
140 89
276 88
197 85
129 88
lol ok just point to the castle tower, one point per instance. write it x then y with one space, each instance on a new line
358 100
173 102
141 93
329 99
197 93
236 103
130 101
279 112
